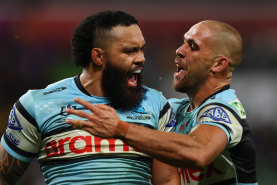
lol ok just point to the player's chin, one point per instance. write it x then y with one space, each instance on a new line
177 85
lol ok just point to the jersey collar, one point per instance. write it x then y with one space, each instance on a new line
226 87
80 86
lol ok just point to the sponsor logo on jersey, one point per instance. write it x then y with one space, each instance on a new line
73 145
65 107
239 107
13 122
182 127
13 139
189 176
139 113
54 90
216 114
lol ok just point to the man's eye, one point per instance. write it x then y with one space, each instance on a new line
193 46
129 51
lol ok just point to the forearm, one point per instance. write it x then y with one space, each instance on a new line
195 150
11 169
174 149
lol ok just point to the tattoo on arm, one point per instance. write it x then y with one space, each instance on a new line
11 169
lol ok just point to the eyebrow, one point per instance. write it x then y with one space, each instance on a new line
133 48
191 41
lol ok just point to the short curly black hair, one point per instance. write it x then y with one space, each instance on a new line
92 28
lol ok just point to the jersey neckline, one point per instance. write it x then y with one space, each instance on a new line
226 87
80 86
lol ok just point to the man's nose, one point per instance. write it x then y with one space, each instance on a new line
140 57
180 52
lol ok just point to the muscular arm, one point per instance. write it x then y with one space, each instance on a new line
164 174
11 169
198 149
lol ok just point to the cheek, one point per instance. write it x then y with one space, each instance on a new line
125 60
120 62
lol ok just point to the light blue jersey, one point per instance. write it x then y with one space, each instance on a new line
236 165
37 129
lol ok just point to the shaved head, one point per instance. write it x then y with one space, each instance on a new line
227 41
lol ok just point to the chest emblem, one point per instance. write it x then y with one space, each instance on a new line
139 113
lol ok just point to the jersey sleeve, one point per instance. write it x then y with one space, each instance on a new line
167 118
22 139
223 117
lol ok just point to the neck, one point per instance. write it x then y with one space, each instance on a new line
204 91
91 81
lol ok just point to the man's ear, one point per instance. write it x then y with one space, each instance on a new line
97 55
220 64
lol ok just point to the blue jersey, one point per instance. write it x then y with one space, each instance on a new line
37 129
236 165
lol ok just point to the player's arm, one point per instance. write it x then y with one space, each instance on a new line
11 169
164 174
196 150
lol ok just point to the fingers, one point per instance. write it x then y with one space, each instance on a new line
79 113
86 104
77 123
103 106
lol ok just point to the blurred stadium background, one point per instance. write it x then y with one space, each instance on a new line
35 51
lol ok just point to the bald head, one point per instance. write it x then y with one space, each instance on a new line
227 41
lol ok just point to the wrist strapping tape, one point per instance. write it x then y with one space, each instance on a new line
121 129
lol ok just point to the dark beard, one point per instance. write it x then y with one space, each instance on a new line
114 85
192 83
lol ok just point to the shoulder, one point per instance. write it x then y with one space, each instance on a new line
151 91
153 94
228 100
40 95
178 104
178 101
154 99
225 111
51 88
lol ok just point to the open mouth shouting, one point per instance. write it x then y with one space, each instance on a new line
180 73
133 77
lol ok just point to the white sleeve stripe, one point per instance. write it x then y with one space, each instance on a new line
26 115
167 122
